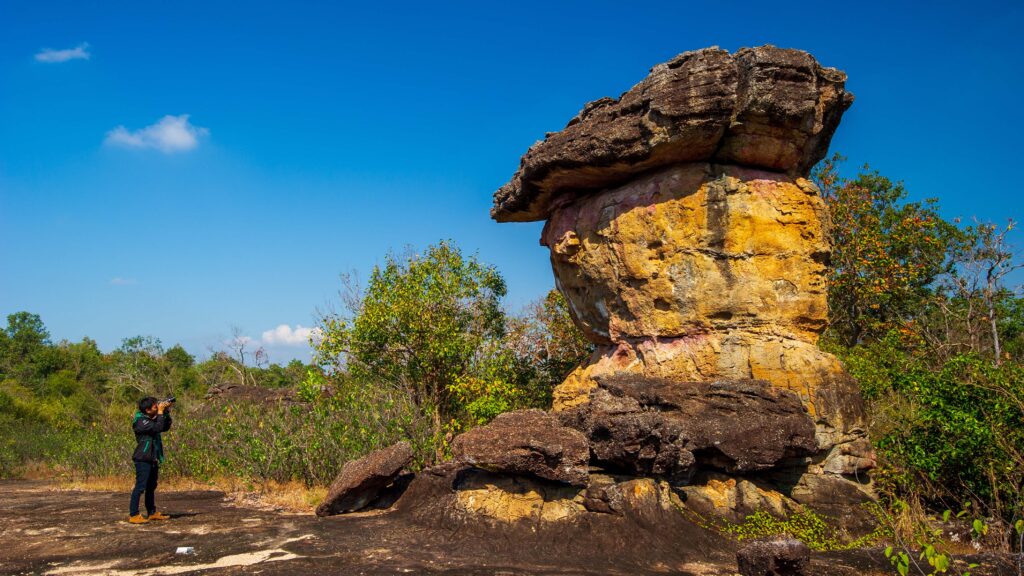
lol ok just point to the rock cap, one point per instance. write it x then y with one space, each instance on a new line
765 107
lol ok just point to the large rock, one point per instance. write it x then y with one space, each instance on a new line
691 247
527 442
763 107
657 427
547 522
362 481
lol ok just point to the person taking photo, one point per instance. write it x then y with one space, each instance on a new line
153 417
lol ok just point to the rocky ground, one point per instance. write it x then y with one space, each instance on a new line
44 530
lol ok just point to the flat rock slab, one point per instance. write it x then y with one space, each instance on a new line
527 442
763 107
362 481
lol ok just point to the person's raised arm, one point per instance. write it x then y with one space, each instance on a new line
146 425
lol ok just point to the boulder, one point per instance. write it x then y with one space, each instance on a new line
762 107
691 248
657 427
362 481
774 557
529 443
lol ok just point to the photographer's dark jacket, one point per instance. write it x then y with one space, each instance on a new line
149 447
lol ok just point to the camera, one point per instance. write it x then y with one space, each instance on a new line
170 400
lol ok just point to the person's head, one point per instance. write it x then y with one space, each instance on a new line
148 405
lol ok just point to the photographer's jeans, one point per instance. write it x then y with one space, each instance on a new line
146 475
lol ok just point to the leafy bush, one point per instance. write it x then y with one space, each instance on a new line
953 433
804 525
429 332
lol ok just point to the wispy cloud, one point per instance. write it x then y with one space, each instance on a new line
170 134
51 56
285 335
118 281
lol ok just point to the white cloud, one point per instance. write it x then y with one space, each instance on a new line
170 134
285 335
51 56
118 281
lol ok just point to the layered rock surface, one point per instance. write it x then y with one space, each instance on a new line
527 442
693 250
766 107
657 427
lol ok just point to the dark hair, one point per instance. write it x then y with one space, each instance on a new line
146 403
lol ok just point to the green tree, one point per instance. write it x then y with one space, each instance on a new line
886 253
138 365
86 362
547 341
25 340
26 333
421 325
179 358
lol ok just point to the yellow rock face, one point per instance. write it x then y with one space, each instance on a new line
514 499
691 250
734 498
785 362
703 272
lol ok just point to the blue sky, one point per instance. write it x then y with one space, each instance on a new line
320 135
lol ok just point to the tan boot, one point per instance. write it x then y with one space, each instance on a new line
159 516
137 519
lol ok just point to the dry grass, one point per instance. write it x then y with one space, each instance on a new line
912 522
292 497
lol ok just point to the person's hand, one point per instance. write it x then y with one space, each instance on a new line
161 407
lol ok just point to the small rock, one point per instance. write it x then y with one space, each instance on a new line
528 442
774 557
362 481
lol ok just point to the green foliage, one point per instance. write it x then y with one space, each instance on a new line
68 406
430 327
922 319
922 548
886 252
804 525
951 432
500 382
546 343
178 358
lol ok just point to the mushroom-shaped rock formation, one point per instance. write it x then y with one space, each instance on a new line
690 244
